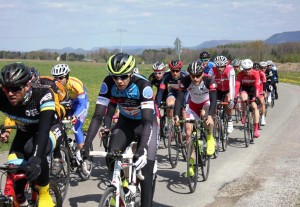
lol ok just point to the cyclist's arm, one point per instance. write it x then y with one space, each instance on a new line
231 78
162 88
111 109
179 102
82 102
212 86
257 80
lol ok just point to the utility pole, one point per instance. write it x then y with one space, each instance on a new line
177 44
121 34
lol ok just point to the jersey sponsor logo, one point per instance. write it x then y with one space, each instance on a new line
147 92
104 88
46 97
102 100
147 105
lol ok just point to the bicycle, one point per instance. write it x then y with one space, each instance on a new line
238 109
248 123
271 96
196 151
176 143
163 127
220 127
115 194
69 161
14 172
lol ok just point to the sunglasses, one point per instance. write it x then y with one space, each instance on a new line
204 60
13 89
220 66
121 77
157 73
60 78
196 76
175 71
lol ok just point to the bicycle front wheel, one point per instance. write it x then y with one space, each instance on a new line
217 135
204 160
55 192
247 130
192 164
224 134
109 198
89 164
173 146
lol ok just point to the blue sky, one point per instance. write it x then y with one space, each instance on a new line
37 24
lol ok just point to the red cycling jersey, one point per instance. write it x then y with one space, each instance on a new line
251 78
262 80
226 80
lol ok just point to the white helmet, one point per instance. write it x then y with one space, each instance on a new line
60 70
220 61
247 64
136 70
263 64
158 66
269 62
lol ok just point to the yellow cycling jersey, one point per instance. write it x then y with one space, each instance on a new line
74 87
9 122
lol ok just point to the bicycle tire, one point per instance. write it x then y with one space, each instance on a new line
192 180
183 147
63 177
163 131
108 197
251 127
247 129
224 133
217 135
204 159
55 193
272 99
173 146
90 164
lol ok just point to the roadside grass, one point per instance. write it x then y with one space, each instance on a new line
291 77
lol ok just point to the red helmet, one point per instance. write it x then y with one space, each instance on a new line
175 64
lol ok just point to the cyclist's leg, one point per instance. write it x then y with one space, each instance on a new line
229 114
263 109
275 90
210 138
255 111
170 102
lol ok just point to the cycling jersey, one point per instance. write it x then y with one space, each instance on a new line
156 83
199 94
208 69
262 81
78 95
226 80
170 84
248 80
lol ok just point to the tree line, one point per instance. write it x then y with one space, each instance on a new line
255 50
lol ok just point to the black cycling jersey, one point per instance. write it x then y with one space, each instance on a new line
156 83
169 84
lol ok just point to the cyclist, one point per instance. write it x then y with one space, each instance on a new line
5 135
272 67
207 64
33 110
80 104
236 63
202 102
171 80
262 87
247 83
134 97
270 76
225 78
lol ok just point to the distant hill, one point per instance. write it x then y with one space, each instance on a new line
215 43
284 37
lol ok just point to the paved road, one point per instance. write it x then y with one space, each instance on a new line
238 177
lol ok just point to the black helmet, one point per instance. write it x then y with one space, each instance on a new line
120 63
15 74
195 68
35 74
256 66
204 55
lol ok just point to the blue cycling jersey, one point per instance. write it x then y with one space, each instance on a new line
208 69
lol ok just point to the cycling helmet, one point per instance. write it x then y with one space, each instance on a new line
247 64
256 65
220 61
60 70
204 55
269 62
158 66
136 70
175 64
120 63
35 75
15 74
263 64
236 62
195 68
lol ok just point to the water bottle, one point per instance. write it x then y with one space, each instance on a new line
131 190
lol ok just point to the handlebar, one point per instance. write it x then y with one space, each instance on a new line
67 121
12 168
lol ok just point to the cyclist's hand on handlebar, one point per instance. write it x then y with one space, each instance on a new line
5 136
209 120
103 132
231 104
140 160
32 168
175 120
74 120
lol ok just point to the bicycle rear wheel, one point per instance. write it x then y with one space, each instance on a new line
173 146
224 136
204 159
247 130
63 177
192 150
